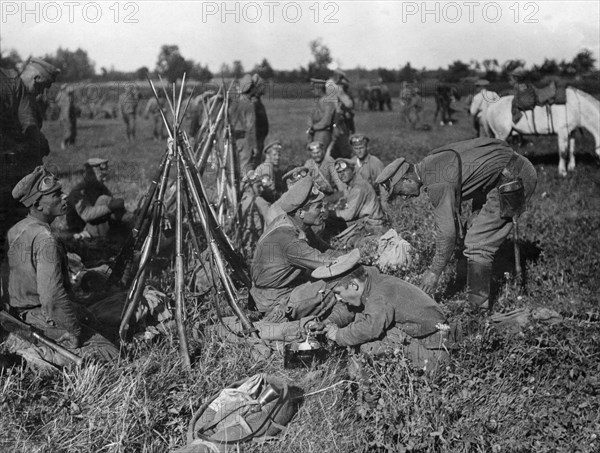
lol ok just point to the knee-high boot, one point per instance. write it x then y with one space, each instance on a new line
478 284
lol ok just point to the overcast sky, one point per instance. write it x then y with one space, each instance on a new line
128 35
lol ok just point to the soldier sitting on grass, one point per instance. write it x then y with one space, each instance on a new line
39 288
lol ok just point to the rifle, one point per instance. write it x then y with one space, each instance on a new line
28 333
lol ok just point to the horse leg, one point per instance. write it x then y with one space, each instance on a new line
571 166
563 144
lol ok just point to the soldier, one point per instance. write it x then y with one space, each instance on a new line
22 144
475 170
386 314
129 110
369 166
249 122
269 173
68 117
153 108
91 208
359 205
320 167
39 288
284 257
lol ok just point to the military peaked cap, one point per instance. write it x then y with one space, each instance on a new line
338 267
394 172
299 195
96 162
45 68
359 139
37 183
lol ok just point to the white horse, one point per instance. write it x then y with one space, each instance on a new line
581 110
478 109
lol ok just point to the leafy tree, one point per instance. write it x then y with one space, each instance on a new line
73 66
583 62
457 71
201 73
408 73
509 66
10 60
318 68
225 70
264 70
387 75
567 68
142 73
171 63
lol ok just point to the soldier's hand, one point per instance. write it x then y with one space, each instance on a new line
116 204
429 281
315 326
331 331
68 340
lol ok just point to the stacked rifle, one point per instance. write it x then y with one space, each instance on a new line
193 213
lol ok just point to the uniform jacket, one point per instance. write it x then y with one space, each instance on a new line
361 202
249 121
483 160
324 174
81 202
369 169
390 302
20 124
39 273
283 259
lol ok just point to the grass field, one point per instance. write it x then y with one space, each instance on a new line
536 390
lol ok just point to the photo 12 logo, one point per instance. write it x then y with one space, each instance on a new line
254 12
70 12
454 12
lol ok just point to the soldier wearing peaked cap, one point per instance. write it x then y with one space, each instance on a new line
39 286
285 256
22 144
367 165
384 313
249 122
477 170
321 168
359 200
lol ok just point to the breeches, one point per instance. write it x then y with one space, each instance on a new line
488 229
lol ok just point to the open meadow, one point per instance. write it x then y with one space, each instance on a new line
533 390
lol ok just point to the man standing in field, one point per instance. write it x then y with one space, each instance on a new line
68 117
480 170
39 288
249 122
22 144
129 109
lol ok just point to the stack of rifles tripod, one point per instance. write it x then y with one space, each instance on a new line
192 208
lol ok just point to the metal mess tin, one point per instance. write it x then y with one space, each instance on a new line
303 354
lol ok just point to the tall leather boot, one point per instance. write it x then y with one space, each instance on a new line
478 285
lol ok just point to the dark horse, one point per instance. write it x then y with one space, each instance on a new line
444 96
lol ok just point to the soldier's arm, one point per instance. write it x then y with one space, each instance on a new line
56 304
443 198
299 253
249 120
27 119
355 199
327 119
90 213
375 320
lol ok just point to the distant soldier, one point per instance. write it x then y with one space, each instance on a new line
249 122
368 166
479 170
129 109
411 103
22 144
153 108
68 117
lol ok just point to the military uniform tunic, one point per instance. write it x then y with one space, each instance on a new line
361 203
324 175
483 160
82 206
282 263
369 169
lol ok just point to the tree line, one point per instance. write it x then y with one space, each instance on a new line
171 64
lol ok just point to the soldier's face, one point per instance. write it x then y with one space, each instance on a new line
101 172
274 155
406 188
346 174
361 151
53 204
350 293
317 155
313 214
